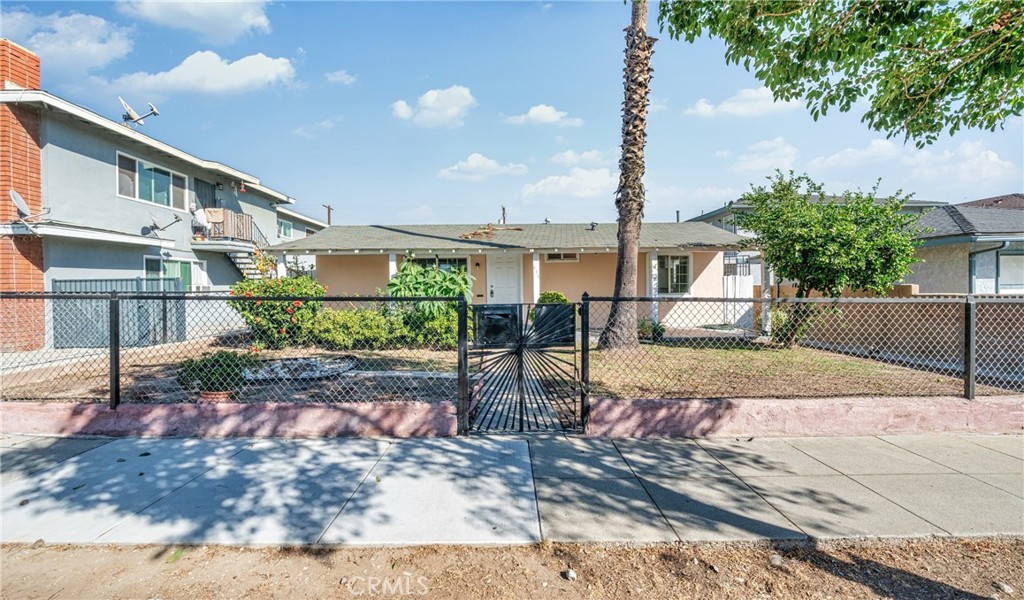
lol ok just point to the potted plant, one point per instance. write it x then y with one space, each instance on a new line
217 376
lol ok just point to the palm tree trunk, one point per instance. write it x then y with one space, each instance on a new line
620 331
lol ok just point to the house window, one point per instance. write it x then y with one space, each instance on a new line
284 229
561 257
673 274
191 273
1010 278
445 264
151 183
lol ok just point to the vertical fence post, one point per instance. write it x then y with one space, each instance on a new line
463 400
970 340
585 361
115 350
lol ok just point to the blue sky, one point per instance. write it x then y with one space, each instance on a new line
434 112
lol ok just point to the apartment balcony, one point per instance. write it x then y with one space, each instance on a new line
228 231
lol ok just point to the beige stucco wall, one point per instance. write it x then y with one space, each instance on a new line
942 269
594 274
708 269
353 275
479 274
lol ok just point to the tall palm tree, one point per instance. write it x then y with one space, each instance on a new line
629 197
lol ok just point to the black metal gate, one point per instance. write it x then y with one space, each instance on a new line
524 372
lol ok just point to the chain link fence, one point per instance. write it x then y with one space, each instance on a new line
178 348
721 348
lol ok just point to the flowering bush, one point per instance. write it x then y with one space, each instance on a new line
274 323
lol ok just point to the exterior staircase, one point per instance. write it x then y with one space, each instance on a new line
245 263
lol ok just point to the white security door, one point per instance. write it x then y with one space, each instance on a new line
504 278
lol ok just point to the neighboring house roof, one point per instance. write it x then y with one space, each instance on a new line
40 98
971 223
1006 201
533 236
735 206
295 216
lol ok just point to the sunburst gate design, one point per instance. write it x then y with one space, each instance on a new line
525 368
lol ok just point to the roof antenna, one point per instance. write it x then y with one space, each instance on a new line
547 221
130 116
593 225
504 220
159 226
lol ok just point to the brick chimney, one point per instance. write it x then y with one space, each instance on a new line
21 256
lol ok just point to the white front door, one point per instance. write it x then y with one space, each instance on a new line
504 278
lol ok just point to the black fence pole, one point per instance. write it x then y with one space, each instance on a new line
115 350
585 361
970 350
463 400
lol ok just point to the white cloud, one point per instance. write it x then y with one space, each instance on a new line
579 183
310 131
970 162
876 151
217 22
69 44
587 158
748 102
206 72
478 167
545 114
340 76
437 108
766 156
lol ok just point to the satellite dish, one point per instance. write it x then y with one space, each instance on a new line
158 224
24 212
130 116
19 202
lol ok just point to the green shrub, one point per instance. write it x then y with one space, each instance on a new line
360 328
649 329
438 331
412 280
273 323
552 298
222 371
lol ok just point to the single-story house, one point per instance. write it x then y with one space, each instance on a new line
970 249
515 263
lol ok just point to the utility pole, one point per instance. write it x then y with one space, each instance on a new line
504 221
329 209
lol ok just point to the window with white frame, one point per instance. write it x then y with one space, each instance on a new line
445 264
151 183
192 274
673 275
552 257
1011 273
284 229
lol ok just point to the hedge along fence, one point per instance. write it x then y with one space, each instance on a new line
340 325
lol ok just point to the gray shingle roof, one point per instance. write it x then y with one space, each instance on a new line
947 221
740 206
1006 201
532 236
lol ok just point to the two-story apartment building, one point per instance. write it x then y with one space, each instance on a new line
109 207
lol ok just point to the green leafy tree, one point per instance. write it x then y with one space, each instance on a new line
414 280
923 66
829 243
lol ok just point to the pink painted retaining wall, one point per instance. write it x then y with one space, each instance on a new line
396 419
777 417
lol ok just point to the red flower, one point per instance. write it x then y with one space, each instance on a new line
282 330
231 292
297 303
258 302
248 294
289 310
294 320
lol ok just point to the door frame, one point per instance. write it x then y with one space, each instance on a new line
518 260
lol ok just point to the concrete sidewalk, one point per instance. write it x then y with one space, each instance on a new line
507 490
